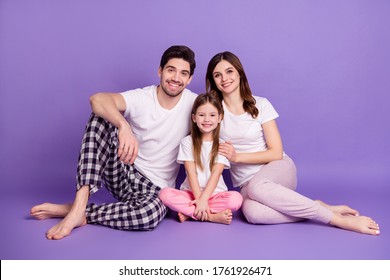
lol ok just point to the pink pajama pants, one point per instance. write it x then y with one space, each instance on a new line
270 197
179 200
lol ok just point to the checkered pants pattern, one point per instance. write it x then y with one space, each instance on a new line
138 206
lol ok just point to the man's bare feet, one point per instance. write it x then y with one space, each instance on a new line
73 214
50 210
224 217
340 209
71 221
182 217
360 224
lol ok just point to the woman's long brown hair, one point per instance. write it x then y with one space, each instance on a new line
245 91
196 134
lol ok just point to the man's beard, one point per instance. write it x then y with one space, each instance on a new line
169 93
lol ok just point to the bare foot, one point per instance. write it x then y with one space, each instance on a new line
360 224
50 210
71 221
182 217
340 209
224 217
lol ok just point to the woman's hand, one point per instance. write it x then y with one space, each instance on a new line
228 151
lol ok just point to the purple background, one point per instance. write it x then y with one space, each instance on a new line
325 66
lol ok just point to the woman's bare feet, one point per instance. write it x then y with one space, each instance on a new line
50 210
224 217
360 224
182 217
340 209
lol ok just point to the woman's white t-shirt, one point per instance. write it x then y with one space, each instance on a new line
186 154
246 135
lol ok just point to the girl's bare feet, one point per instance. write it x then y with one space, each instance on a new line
182 217
224 217
340 209
360 224
50 210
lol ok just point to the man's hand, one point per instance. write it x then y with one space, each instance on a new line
128 145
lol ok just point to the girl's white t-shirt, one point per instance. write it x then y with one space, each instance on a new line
158 131
186 154
246 135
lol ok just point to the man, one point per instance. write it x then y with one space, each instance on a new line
131 144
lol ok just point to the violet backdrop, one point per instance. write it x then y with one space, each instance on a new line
324 65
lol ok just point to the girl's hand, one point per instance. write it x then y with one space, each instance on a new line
227 150
201 209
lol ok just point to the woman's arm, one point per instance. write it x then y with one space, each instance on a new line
110 106
274 151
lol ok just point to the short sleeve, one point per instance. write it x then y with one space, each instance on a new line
223 160
267 111
134 100
185 150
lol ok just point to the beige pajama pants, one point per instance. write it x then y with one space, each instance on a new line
270 197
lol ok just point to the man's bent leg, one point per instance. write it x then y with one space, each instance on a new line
138 208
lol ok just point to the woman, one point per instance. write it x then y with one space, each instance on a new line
259 166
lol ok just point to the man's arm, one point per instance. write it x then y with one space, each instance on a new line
110 106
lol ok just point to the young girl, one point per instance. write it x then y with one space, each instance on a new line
265 174
203 195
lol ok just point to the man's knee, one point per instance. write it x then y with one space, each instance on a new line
155 216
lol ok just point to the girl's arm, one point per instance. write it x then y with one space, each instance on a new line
274 151
192 178
195 188
202 202
216 173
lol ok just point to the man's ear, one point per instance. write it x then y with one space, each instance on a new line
159 71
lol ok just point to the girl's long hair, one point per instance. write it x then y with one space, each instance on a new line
245 91
196 134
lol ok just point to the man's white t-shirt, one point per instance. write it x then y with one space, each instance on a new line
186 154
158 131
246 135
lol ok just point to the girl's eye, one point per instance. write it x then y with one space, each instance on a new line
216 75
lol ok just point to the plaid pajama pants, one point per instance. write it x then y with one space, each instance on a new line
138 206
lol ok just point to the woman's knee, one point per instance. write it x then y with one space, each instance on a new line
259 187
248 210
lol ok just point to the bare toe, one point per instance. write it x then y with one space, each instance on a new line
182 217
